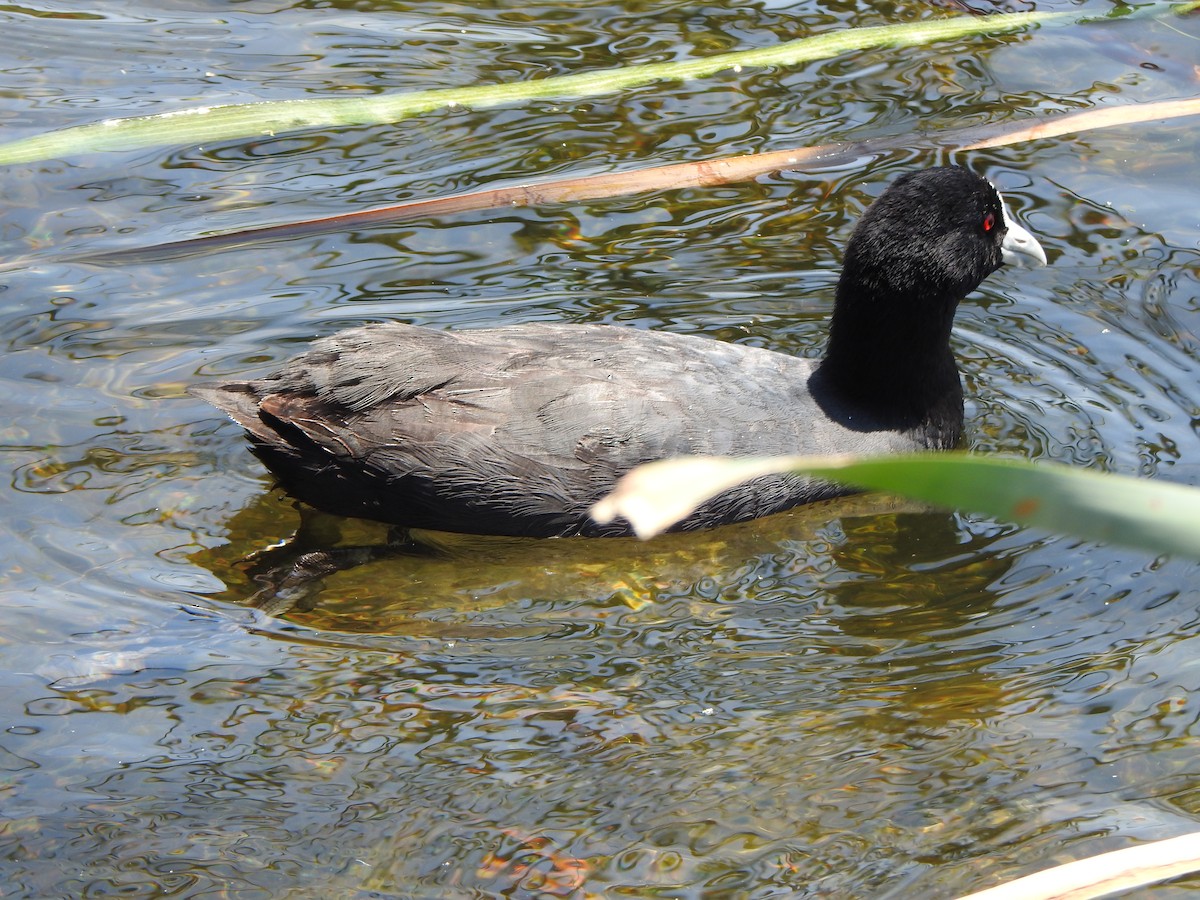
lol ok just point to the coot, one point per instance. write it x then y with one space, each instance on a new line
518 430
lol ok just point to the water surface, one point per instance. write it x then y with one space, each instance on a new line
862 699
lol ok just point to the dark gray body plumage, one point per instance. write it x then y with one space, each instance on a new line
519 430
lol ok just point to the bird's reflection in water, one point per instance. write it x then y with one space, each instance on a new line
885 564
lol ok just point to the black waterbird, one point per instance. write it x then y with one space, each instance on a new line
518 430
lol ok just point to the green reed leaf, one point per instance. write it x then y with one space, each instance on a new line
209 124
1138 512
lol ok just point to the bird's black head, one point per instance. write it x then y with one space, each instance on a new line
930 239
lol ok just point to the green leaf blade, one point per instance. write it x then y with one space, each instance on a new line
1145 513
1138 512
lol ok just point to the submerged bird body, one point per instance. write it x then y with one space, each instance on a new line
519 430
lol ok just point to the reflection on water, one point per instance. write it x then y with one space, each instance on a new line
861 699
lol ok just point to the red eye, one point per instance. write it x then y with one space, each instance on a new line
989 222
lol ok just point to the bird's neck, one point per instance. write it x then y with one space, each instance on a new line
891 366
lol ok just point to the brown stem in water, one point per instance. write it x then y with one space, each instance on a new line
703 173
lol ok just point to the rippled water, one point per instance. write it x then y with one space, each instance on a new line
860 699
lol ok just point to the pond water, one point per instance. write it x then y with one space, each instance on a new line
865 699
